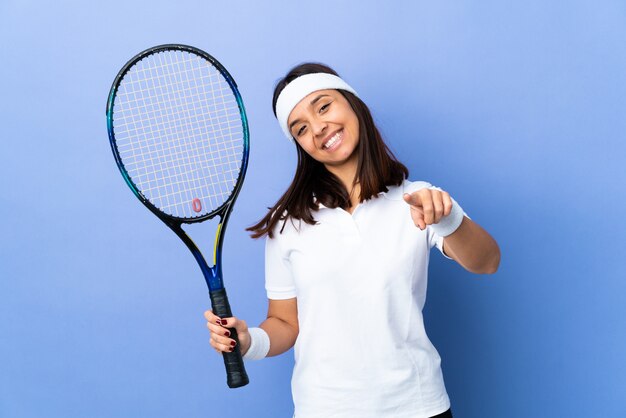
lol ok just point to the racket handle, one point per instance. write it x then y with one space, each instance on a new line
236 375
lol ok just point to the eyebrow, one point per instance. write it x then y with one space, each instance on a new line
291 125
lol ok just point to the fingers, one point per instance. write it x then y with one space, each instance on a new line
220 335
437 209
447 203
418 217
408 198
428 206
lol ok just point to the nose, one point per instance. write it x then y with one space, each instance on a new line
318 126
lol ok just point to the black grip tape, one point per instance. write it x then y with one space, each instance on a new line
236 375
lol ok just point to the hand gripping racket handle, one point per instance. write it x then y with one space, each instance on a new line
235 371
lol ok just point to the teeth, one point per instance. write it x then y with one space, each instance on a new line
332 141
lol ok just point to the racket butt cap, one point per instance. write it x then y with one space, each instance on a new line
237 380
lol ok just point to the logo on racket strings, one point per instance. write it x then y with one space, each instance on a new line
196 205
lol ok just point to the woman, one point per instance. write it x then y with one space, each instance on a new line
347 262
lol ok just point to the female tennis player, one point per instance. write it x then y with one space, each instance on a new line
347 254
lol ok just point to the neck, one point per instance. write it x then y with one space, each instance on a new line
346 173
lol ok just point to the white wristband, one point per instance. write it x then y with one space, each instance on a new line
448 224
259 344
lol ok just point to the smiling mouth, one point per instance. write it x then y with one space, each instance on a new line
333 141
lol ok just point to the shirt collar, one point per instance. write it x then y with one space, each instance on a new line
394 193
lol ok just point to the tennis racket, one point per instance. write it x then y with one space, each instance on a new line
179 135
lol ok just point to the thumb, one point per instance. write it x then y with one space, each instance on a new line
240 325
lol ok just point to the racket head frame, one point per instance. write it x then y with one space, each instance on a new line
224 208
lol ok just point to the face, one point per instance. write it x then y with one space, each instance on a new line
326 127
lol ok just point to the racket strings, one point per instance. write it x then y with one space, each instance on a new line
159 100
177 100
185 134
182 162
179 132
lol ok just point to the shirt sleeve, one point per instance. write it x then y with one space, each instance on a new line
435 240
279 283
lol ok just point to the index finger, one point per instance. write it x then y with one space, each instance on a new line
412 199
211 317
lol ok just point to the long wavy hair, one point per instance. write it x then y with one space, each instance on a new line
377 168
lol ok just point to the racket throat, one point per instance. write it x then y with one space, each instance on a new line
212 274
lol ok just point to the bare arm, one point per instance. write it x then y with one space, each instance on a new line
281 325
473 248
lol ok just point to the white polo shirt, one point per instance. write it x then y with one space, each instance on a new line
360 283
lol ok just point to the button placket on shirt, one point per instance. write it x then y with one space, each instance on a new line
350 225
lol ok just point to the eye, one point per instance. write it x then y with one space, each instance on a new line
301 130
326 106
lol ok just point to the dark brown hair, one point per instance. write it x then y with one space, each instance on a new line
377 167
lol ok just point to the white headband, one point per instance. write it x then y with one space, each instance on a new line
301 87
